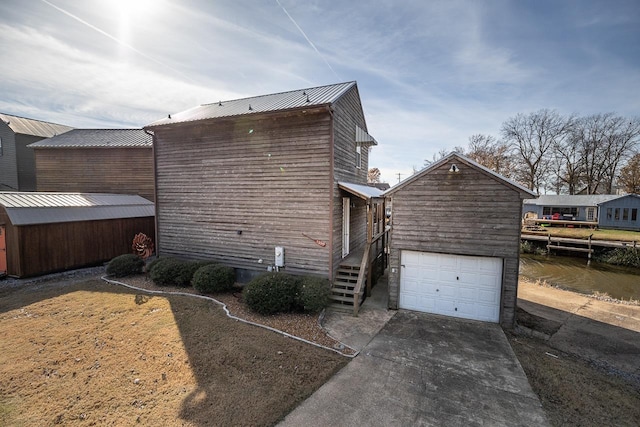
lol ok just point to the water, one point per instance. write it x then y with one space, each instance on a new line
574 274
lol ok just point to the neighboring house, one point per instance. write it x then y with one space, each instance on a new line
455 241
607 210
237 179
96 160
46 232
622 212
17 165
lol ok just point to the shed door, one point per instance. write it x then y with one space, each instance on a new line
3 251
451 285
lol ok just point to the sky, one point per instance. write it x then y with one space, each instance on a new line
430 73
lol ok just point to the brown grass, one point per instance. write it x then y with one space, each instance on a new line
583 233
89 353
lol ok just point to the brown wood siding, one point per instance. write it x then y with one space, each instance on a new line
45 248
266 177
347 114
464 213
96 170
8 162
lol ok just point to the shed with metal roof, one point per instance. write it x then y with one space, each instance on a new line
17 163
96 160
455 241
46 232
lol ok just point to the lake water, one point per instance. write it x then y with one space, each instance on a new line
574 274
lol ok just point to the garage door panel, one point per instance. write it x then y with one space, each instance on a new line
452 285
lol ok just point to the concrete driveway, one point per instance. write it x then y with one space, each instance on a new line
427 370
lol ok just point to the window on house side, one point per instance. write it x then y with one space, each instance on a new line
358 156
617 214
0 146
625 214
634 214
609 213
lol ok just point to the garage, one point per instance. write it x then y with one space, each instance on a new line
451 285
454 245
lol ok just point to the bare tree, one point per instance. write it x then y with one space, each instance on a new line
532 137
604 141
630 175
373 176
567 164
491 153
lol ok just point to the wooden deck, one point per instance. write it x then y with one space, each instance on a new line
353 259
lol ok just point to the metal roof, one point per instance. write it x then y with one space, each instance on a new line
361 190
33 127
571 200
97 138
362 137
25 208
302 98
464 159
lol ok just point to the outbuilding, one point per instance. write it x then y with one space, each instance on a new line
47 232
455 240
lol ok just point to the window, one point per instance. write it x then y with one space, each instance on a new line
546 210
358 156
634 214
0 146
591 214
609 213
617 214
625 214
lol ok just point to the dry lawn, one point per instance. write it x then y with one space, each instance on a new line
583 233
574 392
90 353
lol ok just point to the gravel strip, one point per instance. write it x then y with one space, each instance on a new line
301 325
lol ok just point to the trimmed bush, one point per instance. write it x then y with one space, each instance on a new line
314 293
151 264
125 265
174 272
214 278
272 293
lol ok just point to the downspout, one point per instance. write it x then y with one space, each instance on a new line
331 190
155 186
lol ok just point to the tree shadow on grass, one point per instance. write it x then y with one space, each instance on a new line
244 375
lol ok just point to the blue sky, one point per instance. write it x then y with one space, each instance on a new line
430 73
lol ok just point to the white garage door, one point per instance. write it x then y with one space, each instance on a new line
452 285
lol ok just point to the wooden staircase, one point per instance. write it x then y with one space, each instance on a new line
344 285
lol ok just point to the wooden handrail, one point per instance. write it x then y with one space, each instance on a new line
364 264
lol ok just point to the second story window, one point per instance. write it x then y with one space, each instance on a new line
359 156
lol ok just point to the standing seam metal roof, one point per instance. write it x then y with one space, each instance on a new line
97 138
311 97
571 200
46 208
33 127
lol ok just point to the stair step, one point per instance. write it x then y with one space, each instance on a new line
343 291
341 298
348 270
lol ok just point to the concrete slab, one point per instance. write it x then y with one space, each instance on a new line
357 332
601 331
427 370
